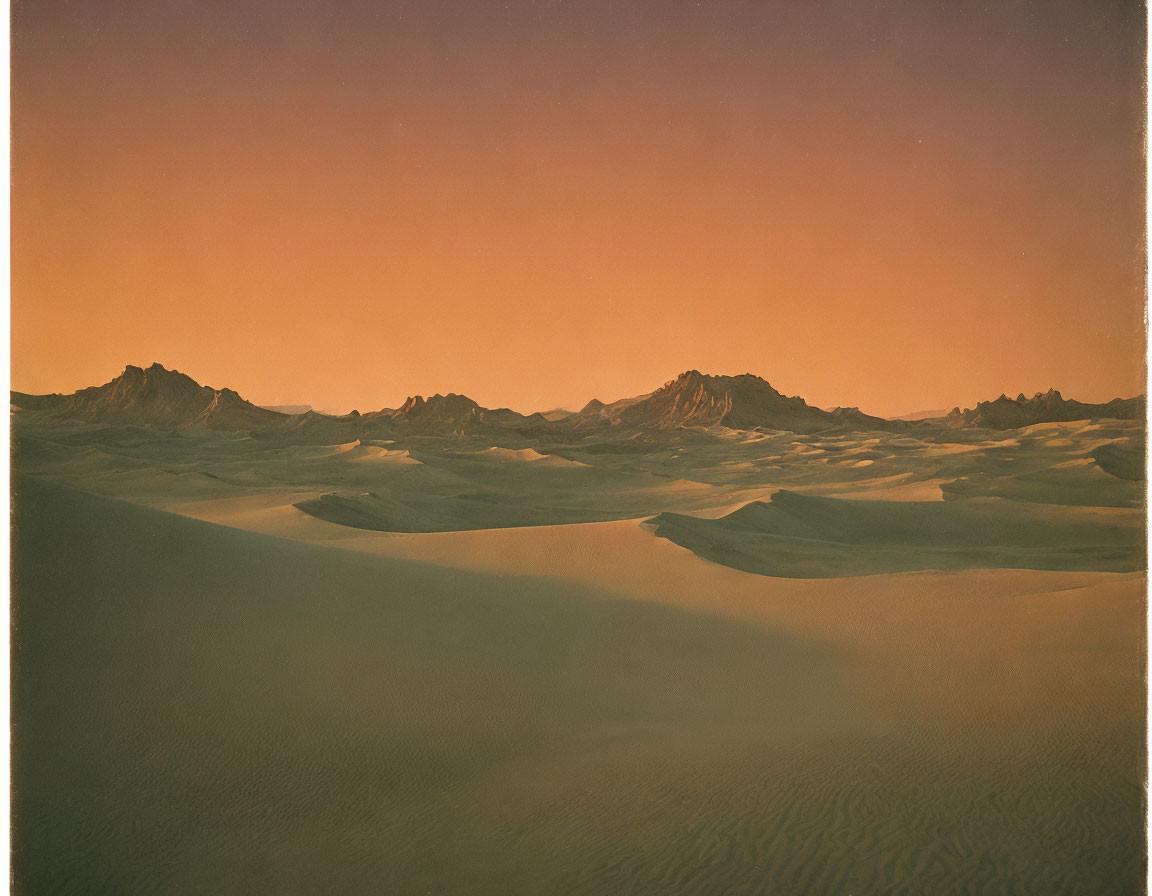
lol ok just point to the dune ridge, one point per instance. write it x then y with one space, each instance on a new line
811 536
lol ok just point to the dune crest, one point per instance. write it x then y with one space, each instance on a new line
528 455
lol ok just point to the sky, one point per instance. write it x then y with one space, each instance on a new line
898 205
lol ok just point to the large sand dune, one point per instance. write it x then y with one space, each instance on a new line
807 536
202 709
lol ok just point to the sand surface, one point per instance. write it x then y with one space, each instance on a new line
734 662
435 485
307 707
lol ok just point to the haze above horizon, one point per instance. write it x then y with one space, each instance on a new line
893 206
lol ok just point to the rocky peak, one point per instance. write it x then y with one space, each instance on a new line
742 402
450 407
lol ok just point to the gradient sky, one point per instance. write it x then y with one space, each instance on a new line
893 204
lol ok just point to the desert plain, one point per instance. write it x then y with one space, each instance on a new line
610 655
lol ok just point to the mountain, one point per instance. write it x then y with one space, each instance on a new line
738 402
452 414
314 428
293 409
157 396
857 419
598 411
160 397
451 409
1043 407
442 415
154 396
923 415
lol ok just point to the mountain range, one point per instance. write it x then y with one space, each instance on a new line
737 402
159 397
1043 407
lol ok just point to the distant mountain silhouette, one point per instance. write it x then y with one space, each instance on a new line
288 408
923 415
162 397
315 428
154 396
157 396
597 412
450 408
450 414
738 402
1043 407
854 417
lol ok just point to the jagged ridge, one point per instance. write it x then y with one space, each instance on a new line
154 396
1043 407
739 402
160 397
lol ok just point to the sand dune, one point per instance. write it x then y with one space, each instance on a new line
530 691
209 710
528 455
1120 461
808 536
510 454
377 454
460 484
907 491
1057 484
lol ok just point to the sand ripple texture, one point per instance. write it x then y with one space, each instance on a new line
203 710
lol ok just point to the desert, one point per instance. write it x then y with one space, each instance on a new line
458 650
578 448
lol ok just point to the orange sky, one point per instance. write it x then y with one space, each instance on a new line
887 204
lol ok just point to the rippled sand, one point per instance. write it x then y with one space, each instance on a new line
566 709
